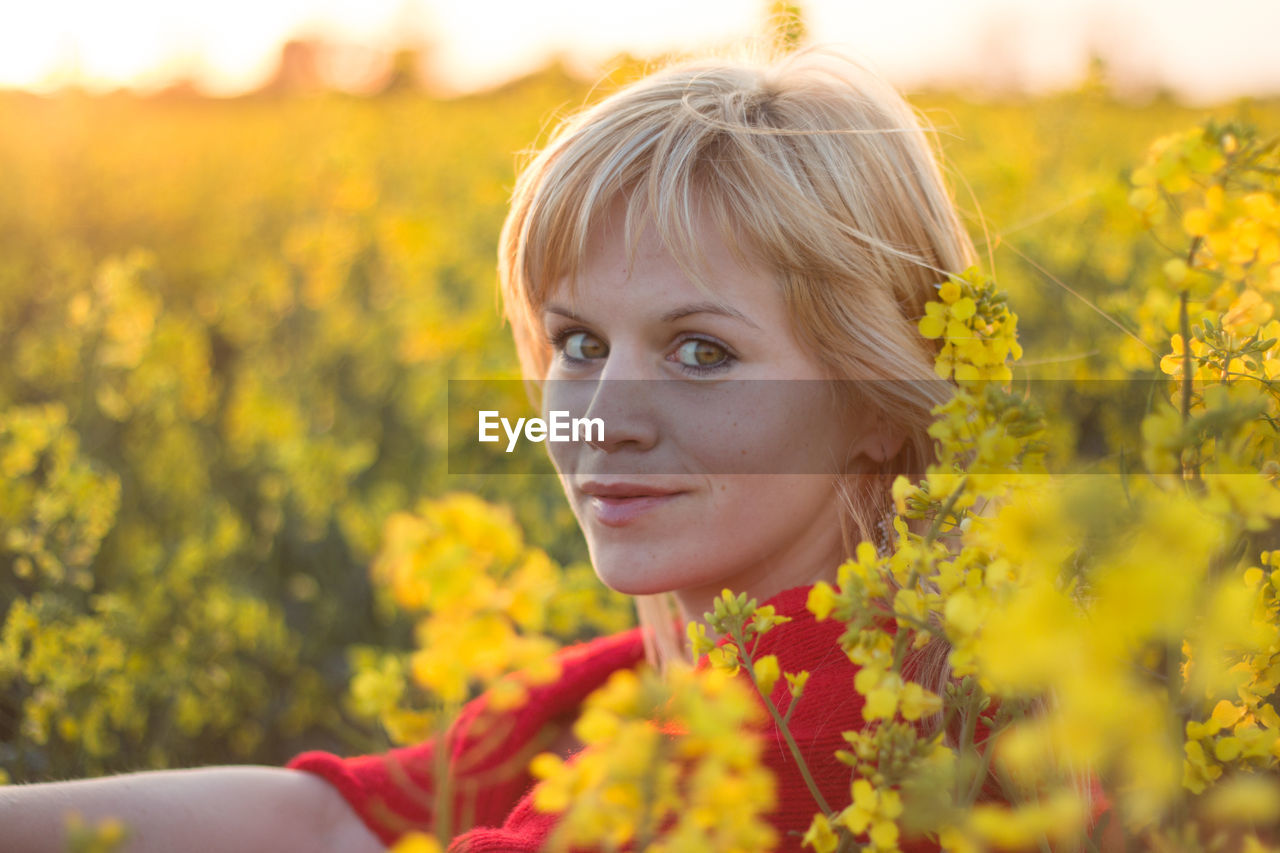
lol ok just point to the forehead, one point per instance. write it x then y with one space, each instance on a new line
626 252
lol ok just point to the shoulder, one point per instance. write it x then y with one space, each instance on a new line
585 666
489 731
625 648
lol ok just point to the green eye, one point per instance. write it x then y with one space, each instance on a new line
583 346
701 353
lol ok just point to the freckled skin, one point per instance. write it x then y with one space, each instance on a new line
758 533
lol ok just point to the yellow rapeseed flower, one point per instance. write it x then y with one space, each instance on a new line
767 673
820 835
417 842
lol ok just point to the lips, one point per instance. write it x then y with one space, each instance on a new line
620 504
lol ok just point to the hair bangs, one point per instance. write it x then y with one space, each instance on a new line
662 170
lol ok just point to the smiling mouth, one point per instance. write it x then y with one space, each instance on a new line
620 504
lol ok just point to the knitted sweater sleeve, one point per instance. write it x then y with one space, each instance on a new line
484 754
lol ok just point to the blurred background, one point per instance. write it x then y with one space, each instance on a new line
234 47
244 245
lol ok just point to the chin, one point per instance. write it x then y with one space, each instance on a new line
628 581
629 585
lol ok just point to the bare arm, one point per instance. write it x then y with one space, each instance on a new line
204 811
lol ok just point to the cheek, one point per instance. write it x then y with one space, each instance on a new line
776 427
563 455
771 500
564 395
754 518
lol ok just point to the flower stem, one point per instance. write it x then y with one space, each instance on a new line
935 528
1190 469
781 724
1184 326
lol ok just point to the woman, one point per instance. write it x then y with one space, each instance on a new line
713 222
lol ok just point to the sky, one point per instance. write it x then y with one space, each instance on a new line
1205 50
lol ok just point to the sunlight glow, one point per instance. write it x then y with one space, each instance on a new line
233 45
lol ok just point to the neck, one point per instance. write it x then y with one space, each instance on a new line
820 563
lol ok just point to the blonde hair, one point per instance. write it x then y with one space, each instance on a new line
808 164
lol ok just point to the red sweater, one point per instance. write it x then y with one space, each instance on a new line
392 793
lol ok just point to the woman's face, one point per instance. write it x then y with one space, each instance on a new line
694 389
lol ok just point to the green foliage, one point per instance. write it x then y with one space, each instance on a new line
227 328
789 29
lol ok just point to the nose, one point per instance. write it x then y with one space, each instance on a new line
625 400
626 407
622 396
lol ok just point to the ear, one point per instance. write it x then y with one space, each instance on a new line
877 442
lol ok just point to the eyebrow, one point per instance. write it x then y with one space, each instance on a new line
707 308
672 315
553 308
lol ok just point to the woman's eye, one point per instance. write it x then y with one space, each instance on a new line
583 346
699 353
